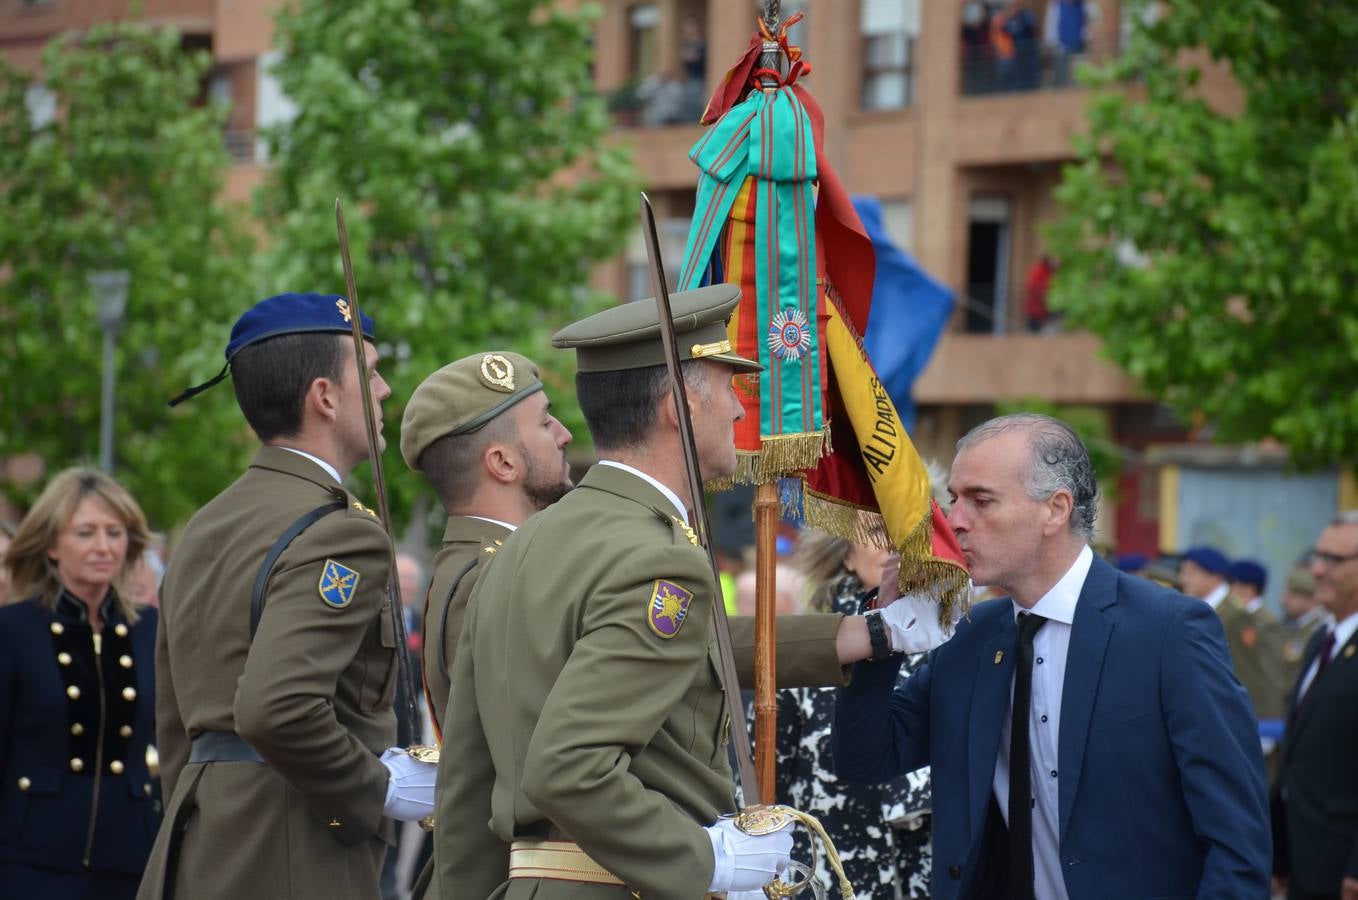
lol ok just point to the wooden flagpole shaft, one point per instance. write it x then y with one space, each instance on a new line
765 639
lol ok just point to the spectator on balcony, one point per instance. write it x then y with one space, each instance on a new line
1064 34
1013 32
978 58
1035 289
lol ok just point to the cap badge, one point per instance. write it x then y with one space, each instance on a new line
789 336
497 372
337 584
698 351
667 608
343 307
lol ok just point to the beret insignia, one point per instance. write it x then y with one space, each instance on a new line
667 608
497 372
337 585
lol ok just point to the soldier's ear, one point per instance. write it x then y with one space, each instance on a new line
502 462
322 399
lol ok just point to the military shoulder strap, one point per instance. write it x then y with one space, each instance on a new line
443 618
296 528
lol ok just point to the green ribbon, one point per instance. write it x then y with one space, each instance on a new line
768 135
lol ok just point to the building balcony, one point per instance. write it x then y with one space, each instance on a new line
1059 368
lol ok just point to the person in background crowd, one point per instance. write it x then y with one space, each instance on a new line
1131 563
1035 289
1202 574
790 586
77 694
881 831
1062 764
143 584
1256 642
1302 615
6 535
1013 32
1315 800
1064 35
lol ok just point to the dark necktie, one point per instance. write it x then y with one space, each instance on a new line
1322 660
1020 767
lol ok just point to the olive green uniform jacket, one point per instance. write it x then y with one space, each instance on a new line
312 693
1256 640
586 706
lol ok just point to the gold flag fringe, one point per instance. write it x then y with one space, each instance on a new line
778 456
943 582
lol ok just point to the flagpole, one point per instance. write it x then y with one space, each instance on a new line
765 548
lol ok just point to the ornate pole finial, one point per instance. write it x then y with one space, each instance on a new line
771 57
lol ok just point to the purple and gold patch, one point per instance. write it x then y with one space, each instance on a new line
667 608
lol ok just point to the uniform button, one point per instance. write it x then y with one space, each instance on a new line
1039 660
125 731
73 692
116 767
77 729
57 628
77 764
1044 718
64 658
120 630
955 871
1053 773
335 823
146 788
129 694
24 783
125 661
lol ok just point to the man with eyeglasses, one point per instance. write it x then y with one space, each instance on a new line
1315 802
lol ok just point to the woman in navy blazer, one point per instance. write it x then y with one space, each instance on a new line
77 699
1159 778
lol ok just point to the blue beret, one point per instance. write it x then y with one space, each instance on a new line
1131 562
293 314
1209 559
280 315
1249 572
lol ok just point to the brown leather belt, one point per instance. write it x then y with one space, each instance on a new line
562 861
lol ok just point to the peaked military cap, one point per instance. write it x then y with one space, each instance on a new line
627 336
463 396
280 315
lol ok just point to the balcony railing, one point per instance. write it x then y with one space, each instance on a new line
658 101
1031 66
241 145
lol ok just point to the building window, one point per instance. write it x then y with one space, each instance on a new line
643 23
899 224
272 106
41 104
889 29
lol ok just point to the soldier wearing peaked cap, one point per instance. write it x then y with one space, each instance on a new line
481 432
586 733
275 656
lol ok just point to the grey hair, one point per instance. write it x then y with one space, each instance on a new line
1058 460
1346 517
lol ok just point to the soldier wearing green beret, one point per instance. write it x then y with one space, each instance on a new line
586 732
276 653
481 432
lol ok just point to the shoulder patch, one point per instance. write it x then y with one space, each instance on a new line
667 608
337 585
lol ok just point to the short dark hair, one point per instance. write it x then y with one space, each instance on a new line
452 463
620 407
272 377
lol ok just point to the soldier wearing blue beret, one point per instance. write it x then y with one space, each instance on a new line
276 656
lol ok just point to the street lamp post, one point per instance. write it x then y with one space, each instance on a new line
110 300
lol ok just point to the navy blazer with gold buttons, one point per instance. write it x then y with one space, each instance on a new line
75 790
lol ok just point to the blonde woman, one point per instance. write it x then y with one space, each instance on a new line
77 697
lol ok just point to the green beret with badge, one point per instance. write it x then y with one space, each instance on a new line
627 336
463 396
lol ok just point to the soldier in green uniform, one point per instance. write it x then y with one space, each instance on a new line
586 732
1256 639
276 652
481 432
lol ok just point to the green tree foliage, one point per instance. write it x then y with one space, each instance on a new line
1215 253
467 144
126 176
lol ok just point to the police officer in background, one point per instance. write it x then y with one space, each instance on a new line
276 654
586 732
481 432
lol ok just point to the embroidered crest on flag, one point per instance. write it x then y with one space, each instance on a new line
668 608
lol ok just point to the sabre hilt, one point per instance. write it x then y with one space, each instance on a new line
769 819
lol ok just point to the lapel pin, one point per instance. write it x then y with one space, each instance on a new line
1349 651
999 656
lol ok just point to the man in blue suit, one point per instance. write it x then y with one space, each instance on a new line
1143 774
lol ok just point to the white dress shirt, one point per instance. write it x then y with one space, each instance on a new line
1342 632
669 494
1218 594
504 525
1050 646
331 470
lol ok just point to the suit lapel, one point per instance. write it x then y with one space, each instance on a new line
1089 636
1320 684
990 705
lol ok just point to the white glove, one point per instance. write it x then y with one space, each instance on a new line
913 624
746 862
410 792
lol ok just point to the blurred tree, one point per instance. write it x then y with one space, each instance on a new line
1214 252
468 146
112 162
